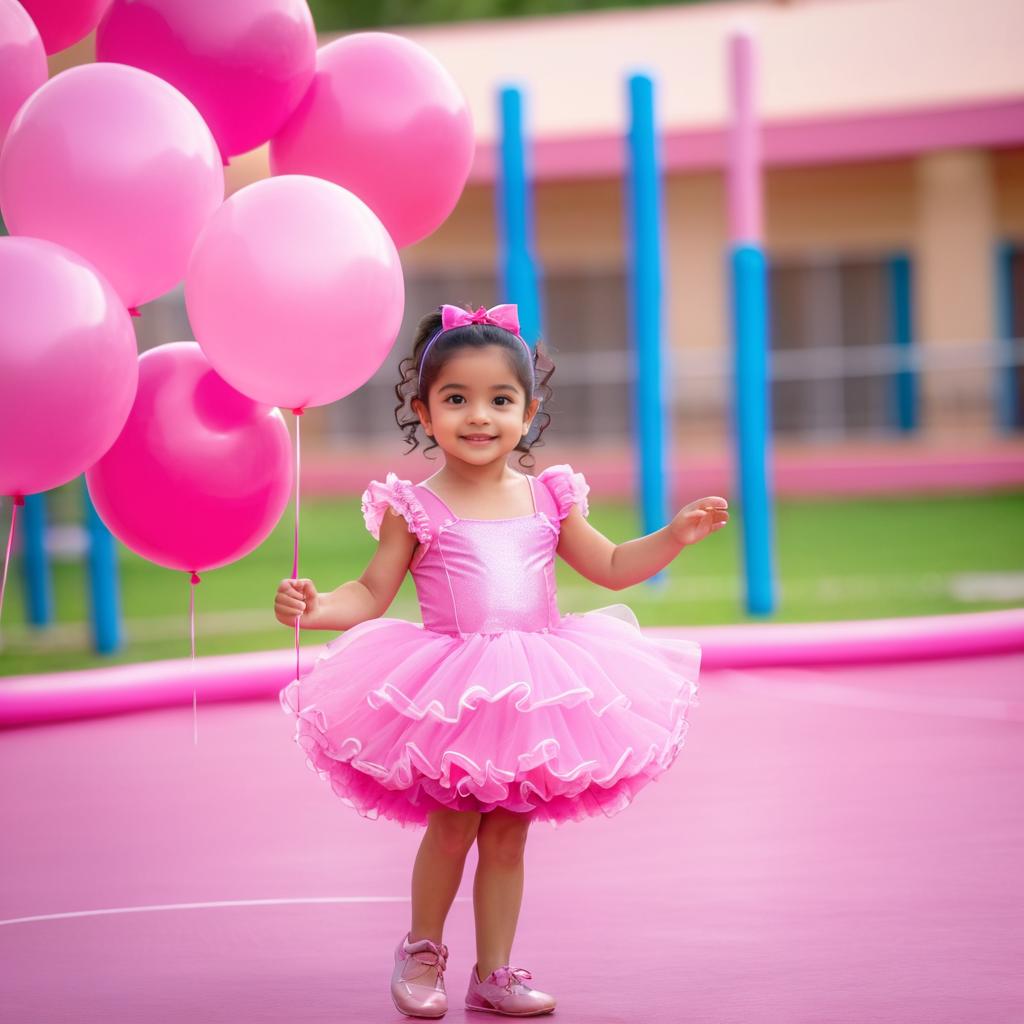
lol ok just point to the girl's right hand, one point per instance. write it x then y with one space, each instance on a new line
296 598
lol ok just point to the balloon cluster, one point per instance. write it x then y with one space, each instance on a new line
112 186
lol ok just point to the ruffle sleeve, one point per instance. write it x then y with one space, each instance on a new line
567 487
399 495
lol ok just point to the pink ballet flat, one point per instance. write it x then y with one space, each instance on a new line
505 991
419 1000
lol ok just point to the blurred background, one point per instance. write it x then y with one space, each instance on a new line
893 139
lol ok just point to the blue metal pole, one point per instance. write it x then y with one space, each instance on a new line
35 562
104 590
1008 415
752 413
750 327
904 381
515 218
644 213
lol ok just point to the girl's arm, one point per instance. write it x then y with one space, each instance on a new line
617 566
371 595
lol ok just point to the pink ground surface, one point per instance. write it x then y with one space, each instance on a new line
835 843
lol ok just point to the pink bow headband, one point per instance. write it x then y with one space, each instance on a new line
505 316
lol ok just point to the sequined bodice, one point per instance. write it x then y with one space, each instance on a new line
488 576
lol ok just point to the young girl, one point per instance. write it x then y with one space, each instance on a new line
498 711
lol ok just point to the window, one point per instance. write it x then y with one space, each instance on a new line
831 328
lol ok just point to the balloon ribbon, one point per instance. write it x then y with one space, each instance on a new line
18 500
295 546
192 637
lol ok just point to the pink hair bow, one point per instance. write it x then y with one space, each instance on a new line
505 316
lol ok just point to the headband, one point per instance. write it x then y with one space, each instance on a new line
505 317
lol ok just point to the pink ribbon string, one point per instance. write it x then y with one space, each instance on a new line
193 582
295 546
17 500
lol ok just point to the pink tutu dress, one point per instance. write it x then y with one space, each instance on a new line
497 699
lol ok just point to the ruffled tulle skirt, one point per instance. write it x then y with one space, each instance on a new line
562 724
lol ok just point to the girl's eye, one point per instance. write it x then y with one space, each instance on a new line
504 399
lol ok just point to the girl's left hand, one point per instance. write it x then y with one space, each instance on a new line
699 518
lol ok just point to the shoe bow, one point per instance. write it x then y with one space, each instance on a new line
511 976
436 957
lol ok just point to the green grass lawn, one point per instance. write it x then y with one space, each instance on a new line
835 559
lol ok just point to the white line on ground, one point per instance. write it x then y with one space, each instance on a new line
217 903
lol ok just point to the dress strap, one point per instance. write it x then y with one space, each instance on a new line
435 508
544 500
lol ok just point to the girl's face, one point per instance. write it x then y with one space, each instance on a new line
478 410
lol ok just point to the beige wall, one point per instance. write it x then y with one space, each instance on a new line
955 301
816 58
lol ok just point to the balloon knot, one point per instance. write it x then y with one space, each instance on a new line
195 579
18 499
299 411
133 311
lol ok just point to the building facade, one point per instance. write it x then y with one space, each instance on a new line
893 141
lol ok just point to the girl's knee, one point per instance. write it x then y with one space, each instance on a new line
502 836
454 831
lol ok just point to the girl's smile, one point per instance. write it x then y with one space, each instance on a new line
477 405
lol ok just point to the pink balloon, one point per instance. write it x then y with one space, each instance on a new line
22 61
295 291
63 22
244 63
200 474
68 366
386 120
117 165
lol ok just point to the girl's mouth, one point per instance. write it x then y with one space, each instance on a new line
478 438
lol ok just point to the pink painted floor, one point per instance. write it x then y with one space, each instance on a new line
833 845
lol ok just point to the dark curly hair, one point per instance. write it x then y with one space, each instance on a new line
471 336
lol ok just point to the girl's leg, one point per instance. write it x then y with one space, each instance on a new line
437 873
498 886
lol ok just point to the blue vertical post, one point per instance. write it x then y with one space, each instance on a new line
104 591
515 217
35 562
752 417
651 388
749 307
1008 415
904 398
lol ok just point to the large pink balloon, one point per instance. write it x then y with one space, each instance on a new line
200 474
295 291
117 165
386 120
22 61
68 365
63 22
244 63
